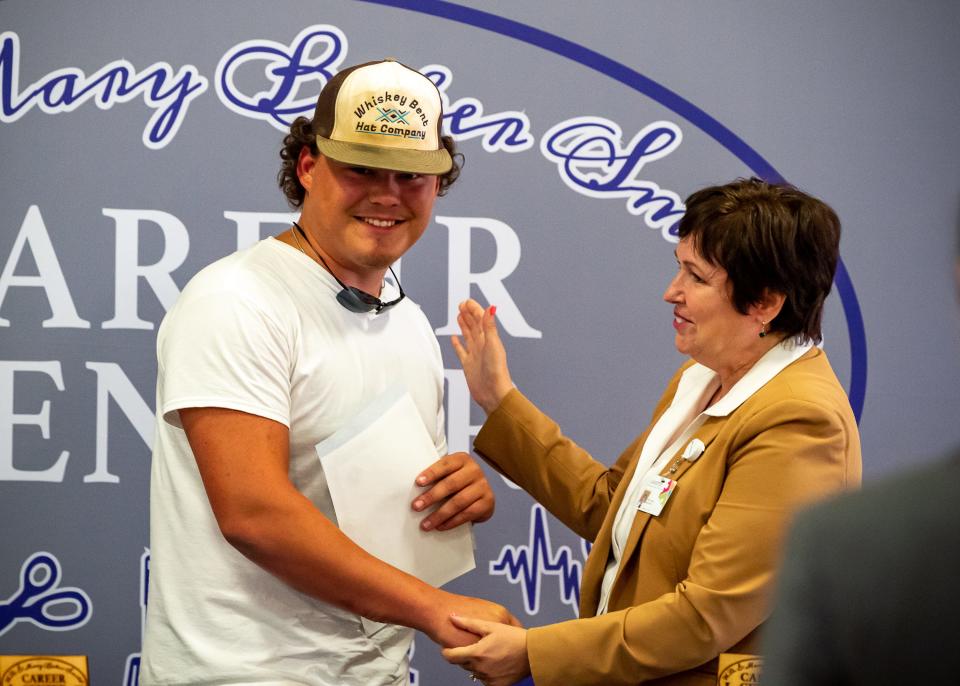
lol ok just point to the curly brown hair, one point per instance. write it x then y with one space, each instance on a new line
302 136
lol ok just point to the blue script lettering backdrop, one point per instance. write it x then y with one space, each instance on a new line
139 142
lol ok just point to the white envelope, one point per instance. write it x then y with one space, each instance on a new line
370 466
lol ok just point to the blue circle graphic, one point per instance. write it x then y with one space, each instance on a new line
680 106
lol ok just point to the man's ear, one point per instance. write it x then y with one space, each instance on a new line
768 306
305 164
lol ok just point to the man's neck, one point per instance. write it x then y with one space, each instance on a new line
370 282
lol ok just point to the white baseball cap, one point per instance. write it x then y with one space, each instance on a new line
383 115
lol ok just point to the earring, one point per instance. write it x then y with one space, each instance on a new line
763 329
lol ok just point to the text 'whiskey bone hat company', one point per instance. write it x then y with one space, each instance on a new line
383 115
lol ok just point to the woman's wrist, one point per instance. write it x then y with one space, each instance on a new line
493 400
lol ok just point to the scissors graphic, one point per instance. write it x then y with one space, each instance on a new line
38 599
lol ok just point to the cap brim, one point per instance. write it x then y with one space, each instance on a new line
393 159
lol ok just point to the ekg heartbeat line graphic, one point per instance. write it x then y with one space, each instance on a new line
527 564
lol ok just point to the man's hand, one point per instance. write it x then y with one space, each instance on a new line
458 483
446 632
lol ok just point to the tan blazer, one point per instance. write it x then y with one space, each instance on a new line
695 581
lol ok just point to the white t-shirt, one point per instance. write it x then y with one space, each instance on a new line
261 331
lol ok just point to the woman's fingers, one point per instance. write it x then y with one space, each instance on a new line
480 627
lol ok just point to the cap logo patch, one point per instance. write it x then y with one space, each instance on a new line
393 115
390 115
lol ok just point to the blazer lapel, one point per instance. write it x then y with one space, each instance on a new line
596 564
706 433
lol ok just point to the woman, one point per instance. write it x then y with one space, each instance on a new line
687 523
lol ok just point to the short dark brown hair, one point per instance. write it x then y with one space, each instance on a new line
302 136
768 237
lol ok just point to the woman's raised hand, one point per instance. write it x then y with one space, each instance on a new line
482 355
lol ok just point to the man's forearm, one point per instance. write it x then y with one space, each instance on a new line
298 544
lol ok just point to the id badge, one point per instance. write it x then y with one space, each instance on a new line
655 494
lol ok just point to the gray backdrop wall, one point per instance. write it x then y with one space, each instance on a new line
139 142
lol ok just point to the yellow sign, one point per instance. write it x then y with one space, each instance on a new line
43 670
736 669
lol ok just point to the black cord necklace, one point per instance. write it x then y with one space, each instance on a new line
350 297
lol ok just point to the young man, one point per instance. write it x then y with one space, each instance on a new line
266 353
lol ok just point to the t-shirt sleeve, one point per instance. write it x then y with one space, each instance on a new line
224 350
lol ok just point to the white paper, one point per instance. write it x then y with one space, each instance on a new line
370 466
